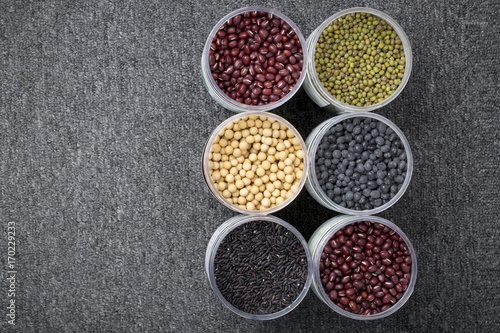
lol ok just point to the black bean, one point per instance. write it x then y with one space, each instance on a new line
354 157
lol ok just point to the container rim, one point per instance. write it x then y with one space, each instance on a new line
313 76
318 249
218 195
313 147
234 223
230 103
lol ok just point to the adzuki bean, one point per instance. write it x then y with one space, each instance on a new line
248 51
368 285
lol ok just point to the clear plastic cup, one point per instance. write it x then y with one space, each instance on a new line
320 238
313 141
220 197
313 86
214 89
216 240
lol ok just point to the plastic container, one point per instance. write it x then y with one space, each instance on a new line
218 195
214 89
222 232
313 141
321 96
317 243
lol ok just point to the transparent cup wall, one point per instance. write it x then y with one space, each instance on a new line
312 143
218 195
318 93
320 238
214 89
216 240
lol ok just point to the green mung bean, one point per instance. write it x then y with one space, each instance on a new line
359 59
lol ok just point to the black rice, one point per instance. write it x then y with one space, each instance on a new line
260 267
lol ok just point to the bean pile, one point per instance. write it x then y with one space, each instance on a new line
365 268
256 162
360 59
256 58
361 163
260 267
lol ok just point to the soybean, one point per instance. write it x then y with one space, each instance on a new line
256 162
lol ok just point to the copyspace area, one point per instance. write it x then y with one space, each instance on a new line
103 120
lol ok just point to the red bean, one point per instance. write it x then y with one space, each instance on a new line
246 80
358 285
345 250
256 91
263 33
258 39
238 63
372 283
344 300
357 276
255 45
269 77
260 77
237 19
388 284
256 36
345 279
247 49
251 71
386 298
384 254
281 58
242 89
229 70
279 65
386 261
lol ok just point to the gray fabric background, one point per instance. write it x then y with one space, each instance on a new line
103 118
